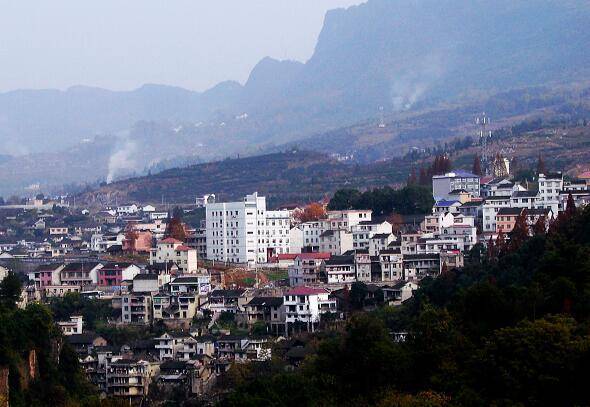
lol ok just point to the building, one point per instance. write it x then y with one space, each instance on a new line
277 232
137 308
236 231
80 273
173 250
400 292
490 209
339 270
442 185
72 327
304 307
267 310
306 268
114 274
336 241
227 301
128 378
550 186
365 230
46 275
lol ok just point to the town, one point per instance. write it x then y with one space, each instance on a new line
151 304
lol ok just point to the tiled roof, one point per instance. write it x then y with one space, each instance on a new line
306 291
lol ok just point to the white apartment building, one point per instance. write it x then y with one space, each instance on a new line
277 232
364 231
346 219
550 186
236 231
340 270
312 232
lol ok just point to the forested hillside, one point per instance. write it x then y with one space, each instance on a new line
511 328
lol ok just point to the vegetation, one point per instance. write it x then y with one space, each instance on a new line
508 329
409 200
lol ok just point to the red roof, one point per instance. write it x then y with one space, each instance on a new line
183 248
287 256
584 175
306 291
170 240
319 256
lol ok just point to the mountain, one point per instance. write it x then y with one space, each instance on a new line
405 56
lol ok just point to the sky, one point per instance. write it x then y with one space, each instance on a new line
123 44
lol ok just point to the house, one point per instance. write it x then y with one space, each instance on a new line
267 310
127 209
85 343
73 326
365 230
306 268
129 378
226 301
80 273
304 307
146 283
418 266
506 219
174 250
177 307
490 209
199 284
45 275
392 264
59 290
169 344
399 292
137 308
336 241
114 274
138 241
550 186
339 270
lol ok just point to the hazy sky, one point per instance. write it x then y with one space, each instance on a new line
122 44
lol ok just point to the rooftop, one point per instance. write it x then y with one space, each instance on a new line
306 291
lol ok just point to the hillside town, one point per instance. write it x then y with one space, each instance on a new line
249 281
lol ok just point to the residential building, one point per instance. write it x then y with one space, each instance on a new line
236 231
364 231
304 307
306 268
339 270
336 241
173 250
442 185
114 274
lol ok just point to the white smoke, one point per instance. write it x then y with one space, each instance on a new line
409 86
122 160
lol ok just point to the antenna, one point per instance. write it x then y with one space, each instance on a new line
381 118
484 135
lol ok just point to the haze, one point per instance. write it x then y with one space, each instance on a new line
123 44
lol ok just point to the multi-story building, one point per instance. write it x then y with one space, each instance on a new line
364 231
173 250
346 219
336 241
490 208
236 231
306 268
267 310
113 274
392 264
339 270
46 274
442 185
550 186
277 232
304 307
80 273
137 308
128 378
311 234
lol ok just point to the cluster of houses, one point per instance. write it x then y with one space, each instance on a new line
164 280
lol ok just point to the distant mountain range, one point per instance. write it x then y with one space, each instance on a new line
399 55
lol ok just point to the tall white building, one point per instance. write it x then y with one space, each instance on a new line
236 231
277 232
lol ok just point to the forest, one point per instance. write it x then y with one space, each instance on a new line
510 328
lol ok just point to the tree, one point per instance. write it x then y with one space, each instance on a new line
175 229
424 180
541 168
540 226
412 179
358 293
570 209
312 212
491 248
10 291
344 199
520 232
477 166
500 243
